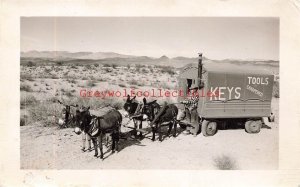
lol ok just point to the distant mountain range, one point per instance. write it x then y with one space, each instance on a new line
121 59
70 55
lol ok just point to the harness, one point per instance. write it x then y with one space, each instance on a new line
138 110
95 124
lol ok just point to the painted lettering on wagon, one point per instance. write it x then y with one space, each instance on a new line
225 93
258 80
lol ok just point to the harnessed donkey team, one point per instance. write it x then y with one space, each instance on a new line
97 129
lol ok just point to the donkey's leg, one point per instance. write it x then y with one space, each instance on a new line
140 127
175 127
113 142
100 145
135 127
106 140
117 139
153 133
89 142
83 141
170 128
159 132
95 146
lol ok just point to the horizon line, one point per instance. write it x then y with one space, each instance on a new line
196 56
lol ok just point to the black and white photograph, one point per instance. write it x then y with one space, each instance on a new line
149 93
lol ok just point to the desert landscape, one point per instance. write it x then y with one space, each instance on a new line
48 76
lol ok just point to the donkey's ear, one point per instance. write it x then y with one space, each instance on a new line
88 108
128 97
134 97
144 100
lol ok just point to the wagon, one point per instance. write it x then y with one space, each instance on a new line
228 93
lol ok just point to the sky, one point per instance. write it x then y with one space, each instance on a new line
217 38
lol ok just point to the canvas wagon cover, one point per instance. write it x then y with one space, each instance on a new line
236 91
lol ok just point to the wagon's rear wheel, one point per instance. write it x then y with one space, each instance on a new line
253 126
209 128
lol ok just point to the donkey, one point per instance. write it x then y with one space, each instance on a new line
69 117
96 127
134 109
70 120
160 116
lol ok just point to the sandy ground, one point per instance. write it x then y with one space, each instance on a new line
53 148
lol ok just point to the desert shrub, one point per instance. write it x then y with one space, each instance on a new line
88 66
276 89
114 66
52 99
91 83
92 78
23 120
96 65
145 71
47 70
27 100
108 69
72 81
30 64
133 82
117 104
59 63
122 85
54 77
106 65
167 69
224 163
74 67
43 112
25 87
138 67
101 79
26 77
67 93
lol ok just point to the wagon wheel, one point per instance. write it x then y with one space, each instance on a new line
253 126
209 128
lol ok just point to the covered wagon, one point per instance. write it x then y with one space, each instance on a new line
228 93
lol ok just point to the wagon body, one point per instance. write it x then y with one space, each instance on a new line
231 91
235 92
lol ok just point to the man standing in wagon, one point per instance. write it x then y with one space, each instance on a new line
189 114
